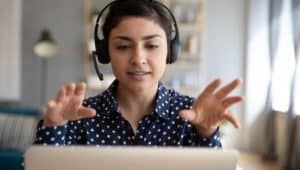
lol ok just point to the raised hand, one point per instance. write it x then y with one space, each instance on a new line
67 105
211 107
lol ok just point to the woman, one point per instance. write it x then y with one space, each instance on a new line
137 109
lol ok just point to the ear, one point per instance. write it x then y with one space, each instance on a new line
173 52
102 51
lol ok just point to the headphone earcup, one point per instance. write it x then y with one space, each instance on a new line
102 51
174 51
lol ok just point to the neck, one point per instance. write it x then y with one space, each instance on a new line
136 102
134 105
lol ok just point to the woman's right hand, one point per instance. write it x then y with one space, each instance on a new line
67 106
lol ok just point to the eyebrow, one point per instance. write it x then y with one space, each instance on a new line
144 38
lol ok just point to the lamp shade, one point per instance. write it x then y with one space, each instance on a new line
45 46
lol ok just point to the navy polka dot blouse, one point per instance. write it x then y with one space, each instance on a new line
163 127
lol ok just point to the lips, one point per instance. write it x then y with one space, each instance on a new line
138 75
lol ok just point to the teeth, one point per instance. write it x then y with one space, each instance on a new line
139 73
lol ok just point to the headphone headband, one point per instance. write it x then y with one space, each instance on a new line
98 18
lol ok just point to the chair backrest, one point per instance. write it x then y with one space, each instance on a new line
21 111
17 127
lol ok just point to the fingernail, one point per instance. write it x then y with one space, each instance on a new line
239 80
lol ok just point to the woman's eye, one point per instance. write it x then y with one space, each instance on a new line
123 47
151 46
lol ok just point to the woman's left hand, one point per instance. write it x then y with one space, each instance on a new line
211 108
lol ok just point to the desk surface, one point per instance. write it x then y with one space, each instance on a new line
251 161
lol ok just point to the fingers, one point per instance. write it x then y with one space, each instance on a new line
61 94
226 104
232 120
210 107
188 115
229 101
223 92
68 105
51 106
64 91
85 112
80 88
212 87
70 89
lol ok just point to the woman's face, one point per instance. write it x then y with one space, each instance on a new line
138 52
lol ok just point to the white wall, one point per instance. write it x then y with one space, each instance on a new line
226 22
10 49
64 18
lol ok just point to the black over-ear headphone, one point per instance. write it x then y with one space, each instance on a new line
101 52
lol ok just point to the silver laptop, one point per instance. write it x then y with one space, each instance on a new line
128 158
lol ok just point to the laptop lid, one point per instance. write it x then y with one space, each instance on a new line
128 158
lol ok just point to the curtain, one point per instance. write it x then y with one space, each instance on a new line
274 21
293 148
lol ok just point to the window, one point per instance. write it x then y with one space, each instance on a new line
284 62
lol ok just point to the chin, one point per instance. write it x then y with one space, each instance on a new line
140 86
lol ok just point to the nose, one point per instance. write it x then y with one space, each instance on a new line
138 56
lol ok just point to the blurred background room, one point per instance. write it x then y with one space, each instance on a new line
45 44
